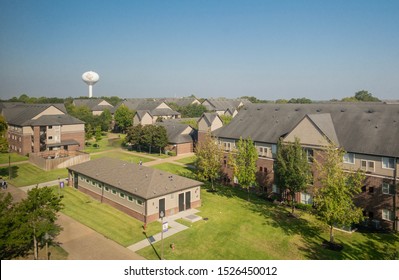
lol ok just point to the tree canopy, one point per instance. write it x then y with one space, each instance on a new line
362 96
292 169
243 163
3 136
123 118
334 198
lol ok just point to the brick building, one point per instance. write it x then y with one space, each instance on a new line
368 132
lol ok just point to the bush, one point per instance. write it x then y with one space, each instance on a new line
305 207
88 144
170 153
95 145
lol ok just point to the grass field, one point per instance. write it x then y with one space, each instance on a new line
26 174
175 169
14 158
188 160
238 229
105 219
130 157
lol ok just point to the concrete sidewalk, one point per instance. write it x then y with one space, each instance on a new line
174 227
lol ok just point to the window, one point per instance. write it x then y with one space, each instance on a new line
387 215
50 137
261 169
113 191
371 189
50 127
388 163
106 188
387 188
349 158
364 189
367 165
139 202
275 189
262 151
122 195
309 155
306 198
130 198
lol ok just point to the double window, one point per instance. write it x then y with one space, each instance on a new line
367 165
387 188
387 215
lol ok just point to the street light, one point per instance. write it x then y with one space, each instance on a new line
162 215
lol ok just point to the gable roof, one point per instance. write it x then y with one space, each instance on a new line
210 117
371 128
141 181
94 104
22 114
176 132
325 124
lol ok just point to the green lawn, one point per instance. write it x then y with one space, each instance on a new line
238 229
14 158
175 169
130 157
26 174
188 160
105 219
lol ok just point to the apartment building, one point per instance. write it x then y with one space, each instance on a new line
368 132
34 128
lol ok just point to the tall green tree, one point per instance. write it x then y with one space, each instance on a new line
160 138
123 118
134 136
209 160
3 135
292 169
37 215
243 162
334 198
362 96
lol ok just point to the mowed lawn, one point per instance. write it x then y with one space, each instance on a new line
237 229
130 157
105 219
26 174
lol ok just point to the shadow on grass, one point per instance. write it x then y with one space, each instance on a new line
149 241
4 171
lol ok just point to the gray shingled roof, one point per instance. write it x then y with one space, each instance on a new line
210 117
370 128
142 181
93 104
54 120
22 114
175 131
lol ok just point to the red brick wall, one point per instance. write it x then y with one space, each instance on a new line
184 148
78 136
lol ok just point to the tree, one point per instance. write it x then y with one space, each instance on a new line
3 137
98 135
209 160
24 225
292 169
192 110
134 136
159 138
363 96
243 163
226 119
123 117
105 120
334 198
37 215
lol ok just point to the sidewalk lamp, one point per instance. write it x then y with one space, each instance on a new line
162 215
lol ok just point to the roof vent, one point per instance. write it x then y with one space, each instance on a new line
318 110
343 110
135 189
297 109
277 109
370 111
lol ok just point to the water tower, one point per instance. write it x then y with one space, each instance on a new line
90 78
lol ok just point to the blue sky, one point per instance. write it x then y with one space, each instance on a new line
269 49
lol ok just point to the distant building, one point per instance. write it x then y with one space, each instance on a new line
34 128
96 106
141 192
224 106
207 123
181 137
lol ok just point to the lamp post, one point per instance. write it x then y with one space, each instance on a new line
162 215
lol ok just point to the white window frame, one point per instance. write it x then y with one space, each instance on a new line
347 158
387 188
367 163
387 215
275 189
139 202
130 198
386 165
306 198
122 195
113 191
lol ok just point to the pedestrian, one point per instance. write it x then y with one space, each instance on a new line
140 162
4 185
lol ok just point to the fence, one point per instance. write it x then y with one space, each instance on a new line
50 160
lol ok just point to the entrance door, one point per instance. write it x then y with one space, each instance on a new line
162 207
75 180
181 202
188 200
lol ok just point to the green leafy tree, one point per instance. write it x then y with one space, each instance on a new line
134 136
292 169
37 215
123 118
362 96
209 160
160 138
243 162
302 100
192 110
98 135
334 198
105 120
226 119
3 135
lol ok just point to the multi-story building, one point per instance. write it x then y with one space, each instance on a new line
34 128
368 132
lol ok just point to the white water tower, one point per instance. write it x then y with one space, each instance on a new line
90 78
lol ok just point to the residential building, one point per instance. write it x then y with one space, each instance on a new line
207 123
224 106
368 133
181 137
141 192
96 105
34 128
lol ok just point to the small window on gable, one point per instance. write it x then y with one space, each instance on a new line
387 188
